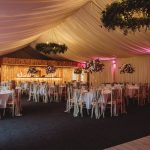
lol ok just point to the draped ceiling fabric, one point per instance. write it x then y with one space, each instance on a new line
23 21
73 22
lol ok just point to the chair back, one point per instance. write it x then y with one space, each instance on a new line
3 100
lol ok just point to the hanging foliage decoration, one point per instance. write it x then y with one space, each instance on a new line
127 68
128 15
51 48
32 70
78 70
94 66
50 69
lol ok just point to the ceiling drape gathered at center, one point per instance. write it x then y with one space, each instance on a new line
24 21
73 22
86 39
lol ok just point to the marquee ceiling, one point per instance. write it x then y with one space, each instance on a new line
73 22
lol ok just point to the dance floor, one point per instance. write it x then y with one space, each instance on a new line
48 127
139 144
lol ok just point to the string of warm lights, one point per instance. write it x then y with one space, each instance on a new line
51 48
128 15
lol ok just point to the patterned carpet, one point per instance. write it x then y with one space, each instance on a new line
48 127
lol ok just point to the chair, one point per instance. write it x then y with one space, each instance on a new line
3 103
44 92
11 103
53 93
95 109
132 92
106 101
81 101
69 98
18 107
95 105
118 100
56 93
25 88
30 91
61 88
143 94
74 101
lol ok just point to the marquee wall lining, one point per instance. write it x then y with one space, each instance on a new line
141 74
140 63
142 70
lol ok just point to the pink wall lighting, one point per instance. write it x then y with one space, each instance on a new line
113 69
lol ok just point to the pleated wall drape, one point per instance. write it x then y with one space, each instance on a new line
142 70
141 74
102 77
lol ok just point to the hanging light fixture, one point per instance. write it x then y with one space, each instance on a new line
128 15
51 48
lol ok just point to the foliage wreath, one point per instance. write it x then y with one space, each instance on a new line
127 15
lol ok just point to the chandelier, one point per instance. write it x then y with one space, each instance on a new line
51 48
128 15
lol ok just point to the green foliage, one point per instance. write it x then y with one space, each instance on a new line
94 66
50 69
51 48
127 68
122 15
78 71
32 70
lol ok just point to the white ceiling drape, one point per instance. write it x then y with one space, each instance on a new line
23 21
73 22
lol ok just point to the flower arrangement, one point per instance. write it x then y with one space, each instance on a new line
51 48
94 66
127 15
32 70
78 70
50 69
126 68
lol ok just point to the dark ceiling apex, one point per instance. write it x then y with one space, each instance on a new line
30 53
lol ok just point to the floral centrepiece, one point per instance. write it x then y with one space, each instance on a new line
127 68
50 69
127 15
94 66
78 70
51 48
32 70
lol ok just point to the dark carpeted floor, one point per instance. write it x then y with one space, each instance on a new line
47 127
